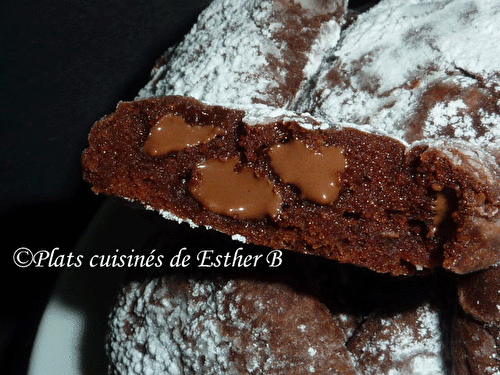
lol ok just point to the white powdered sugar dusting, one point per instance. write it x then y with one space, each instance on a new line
328 36
261 114
239 237
172 217
234 54
230 46
406 343
449 114
453 117
397 40
394 55
203 326
157 329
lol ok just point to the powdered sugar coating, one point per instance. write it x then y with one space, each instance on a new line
447 35
195 324
262 114
176 325
409 342
147 337
247 52
391 62
170 216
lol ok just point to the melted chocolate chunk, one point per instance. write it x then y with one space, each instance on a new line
172 133
238 193
314 172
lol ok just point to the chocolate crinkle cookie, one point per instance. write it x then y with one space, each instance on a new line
288 321
367 139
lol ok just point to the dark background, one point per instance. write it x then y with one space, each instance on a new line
63 65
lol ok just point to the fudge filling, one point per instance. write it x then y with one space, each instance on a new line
172 133
224 189
315 172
